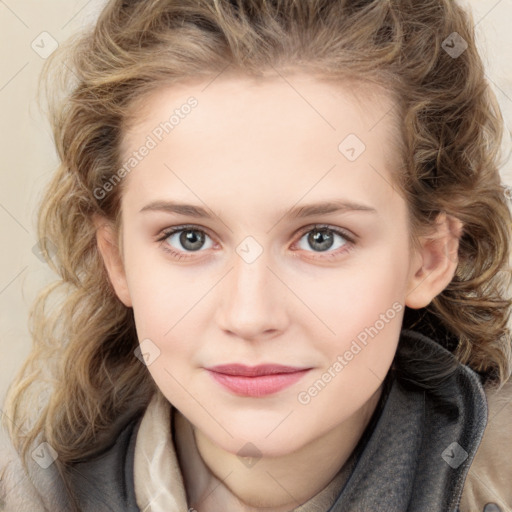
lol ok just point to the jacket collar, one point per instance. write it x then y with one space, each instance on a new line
422 446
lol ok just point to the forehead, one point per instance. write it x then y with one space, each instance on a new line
327 105
255 133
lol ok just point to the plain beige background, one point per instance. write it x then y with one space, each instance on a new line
28 31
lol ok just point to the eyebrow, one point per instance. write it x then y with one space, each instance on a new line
297 212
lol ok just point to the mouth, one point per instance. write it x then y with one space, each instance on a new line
256 381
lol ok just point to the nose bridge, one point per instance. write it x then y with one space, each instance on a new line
250 303
251 277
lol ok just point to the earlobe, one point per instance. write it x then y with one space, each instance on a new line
109 250
435 262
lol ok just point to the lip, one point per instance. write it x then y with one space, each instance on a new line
256 381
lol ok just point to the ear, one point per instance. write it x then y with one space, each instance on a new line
435 262
109 250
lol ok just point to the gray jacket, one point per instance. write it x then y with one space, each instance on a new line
413 457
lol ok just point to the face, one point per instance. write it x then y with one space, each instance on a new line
252 274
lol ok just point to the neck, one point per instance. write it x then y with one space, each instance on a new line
216 479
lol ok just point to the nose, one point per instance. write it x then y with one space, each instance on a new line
252 300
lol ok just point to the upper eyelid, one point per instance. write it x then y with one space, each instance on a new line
349 235
167 232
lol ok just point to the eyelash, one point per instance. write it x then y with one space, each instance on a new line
348 246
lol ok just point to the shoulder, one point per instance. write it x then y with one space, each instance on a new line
105 480
17 491
490 476
102 482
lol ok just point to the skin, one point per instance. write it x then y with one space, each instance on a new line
249 152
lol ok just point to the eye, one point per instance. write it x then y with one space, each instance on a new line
181 241
326 239
184 239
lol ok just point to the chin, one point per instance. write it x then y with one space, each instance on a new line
256 442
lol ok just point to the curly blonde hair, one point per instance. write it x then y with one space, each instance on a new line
82 367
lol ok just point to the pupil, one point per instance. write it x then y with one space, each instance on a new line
319 237
193 238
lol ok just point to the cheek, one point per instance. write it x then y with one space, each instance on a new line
361 292
365 319
158 289
163 328
166 301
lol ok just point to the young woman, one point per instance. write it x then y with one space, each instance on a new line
283 248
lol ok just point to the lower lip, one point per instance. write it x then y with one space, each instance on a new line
257 386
